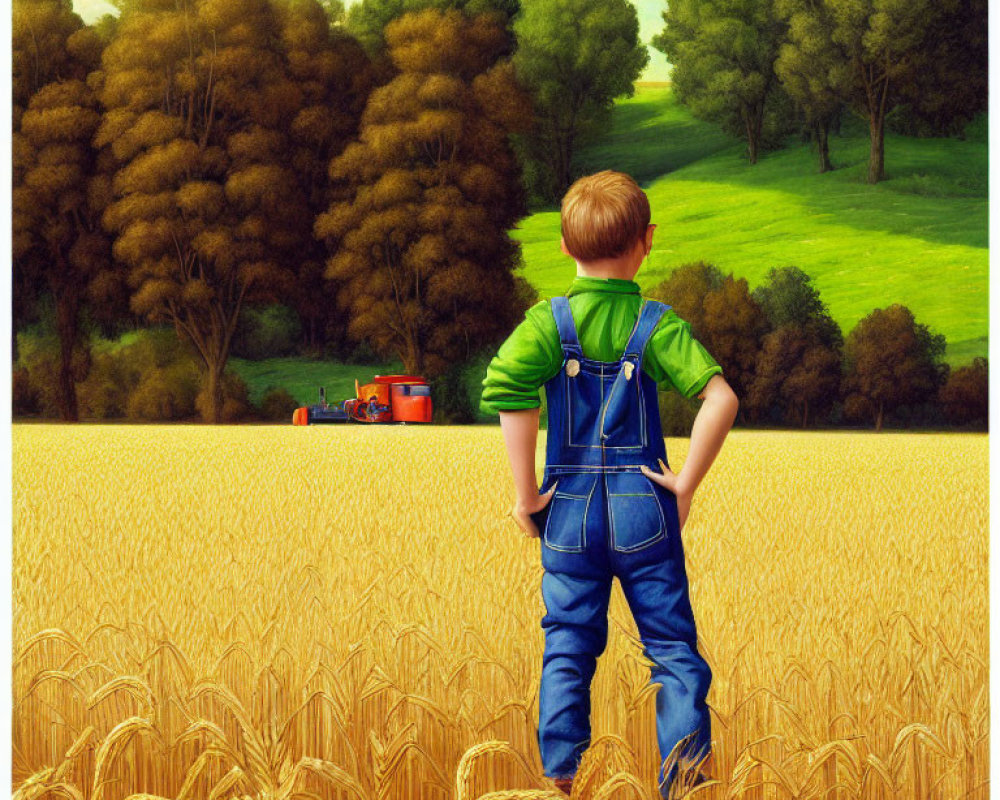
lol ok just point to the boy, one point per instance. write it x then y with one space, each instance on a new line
604 508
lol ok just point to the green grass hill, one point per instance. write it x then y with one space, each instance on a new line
918 238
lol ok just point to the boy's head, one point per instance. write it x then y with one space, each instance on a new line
605 224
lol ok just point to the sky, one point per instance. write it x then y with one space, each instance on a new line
650 23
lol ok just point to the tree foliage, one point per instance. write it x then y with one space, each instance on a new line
576 57
335 77
947 86
723 316
204 112
799 368
368 19
58 183
813 68
890 360
881 40
723 52
420 246
964 397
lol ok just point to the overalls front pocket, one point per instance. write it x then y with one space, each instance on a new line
566 521
634 511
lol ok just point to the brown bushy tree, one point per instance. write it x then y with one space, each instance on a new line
58 191
723 317
421 245
685 289
335 77
797 372
964 398
207 209
890 360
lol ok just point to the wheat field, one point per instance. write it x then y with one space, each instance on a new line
347 612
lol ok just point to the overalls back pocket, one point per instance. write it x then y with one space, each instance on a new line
566 521
635 513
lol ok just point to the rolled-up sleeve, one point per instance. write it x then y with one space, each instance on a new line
524 362
682 361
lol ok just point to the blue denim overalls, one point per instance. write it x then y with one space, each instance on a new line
608 519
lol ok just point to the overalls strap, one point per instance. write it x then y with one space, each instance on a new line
649 318
567 328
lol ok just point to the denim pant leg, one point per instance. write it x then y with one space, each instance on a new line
576 633
657 592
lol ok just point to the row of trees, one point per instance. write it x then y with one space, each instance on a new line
788 361
758 67
186 158
181 160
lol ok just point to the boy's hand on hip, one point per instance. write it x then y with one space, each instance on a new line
671 481
523 509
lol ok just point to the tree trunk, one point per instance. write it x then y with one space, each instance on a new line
564 156
67 324
751 141
823 138
878 419
213 384
413 359
876 157
805 413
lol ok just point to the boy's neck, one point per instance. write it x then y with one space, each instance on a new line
612 268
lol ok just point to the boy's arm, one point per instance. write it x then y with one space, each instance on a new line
714 420
520 433
527 359
682 361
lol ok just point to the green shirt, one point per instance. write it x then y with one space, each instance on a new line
605 311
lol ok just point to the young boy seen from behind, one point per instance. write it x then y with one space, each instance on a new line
609 504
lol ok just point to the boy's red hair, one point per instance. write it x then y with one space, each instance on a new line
603 214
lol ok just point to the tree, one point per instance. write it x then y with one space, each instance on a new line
788 297
421 246
723 52
723 317
686 288
796 372
197 98
367 21
57 199
881 39
799 367
334 77
813 68
576 57
890 360
948 82
964 397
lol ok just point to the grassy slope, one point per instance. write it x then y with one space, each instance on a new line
919 238
302 377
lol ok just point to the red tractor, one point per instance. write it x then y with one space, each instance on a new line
388 398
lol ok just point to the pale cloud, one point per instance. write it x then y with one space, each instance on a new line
91 10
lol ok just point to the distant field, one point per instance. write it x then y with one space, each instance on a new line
919 238
213 603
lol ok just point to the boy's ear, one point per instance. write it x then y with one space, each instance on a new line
562 246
